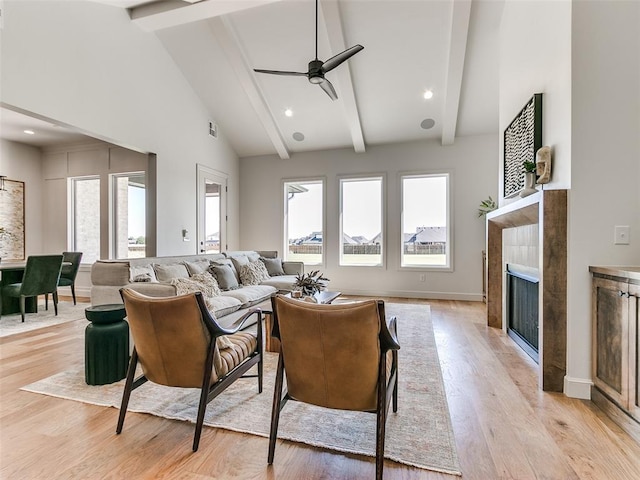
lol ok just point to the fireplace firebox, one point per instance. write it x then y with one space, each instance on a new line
522 308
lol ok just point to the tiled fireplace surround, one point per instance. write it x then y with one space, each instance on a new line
532 232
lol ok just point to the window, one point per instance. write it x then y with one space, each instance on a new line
129 215
303 221
426 236
85 223
361 221
212 210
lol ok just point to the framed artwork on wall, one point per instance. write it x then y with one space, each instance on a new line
522 139
12 220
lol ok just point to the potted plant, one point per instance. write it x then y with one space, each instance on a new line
529 178
486 206
310 283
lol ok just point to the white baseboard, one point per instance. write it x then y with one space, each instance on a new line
470 297
577 387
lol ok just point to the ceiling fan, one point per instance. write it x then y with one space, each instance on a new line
318 68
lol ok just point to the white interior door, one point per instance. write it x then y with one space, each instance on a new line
212 211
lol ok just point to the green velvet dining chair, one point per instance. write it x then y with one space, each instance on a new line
70 266
41 275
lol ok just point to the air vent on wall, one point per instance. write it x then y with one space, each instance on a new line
213 130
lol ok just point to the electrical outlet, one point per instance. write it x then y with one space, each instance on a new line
621 235
422 277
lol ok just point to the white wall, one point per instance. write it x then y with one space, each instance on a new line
585 58
472 161
605 176
535 57
86 65
24 163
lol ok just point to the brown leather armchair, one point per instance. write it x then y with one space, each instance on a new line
179 344
336 356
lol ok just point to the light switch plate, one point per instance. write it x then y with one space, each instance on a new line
621 235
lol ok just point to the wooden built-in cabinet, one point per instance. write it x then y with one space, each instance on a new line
615 344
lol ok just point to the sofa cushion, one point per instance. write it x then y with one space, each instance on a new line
167 272
281 282
225 275
198 266
253 273
251 295
273 265
114 273
224 305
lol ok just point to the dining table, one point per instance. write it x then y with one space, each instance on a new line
12 272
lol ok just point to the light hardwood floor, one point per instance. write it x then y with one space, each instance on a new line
505 427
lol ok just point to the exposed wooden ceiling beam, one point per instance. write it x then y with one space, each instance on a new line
333 24
457 50
170 13
226 35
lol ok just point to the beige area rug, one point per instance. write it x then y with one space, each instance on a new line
419 435
67 312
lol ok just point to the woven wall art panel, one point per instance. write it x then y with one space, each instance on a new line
522 139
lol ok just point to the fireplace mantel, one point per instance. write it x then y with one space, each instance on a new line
548 209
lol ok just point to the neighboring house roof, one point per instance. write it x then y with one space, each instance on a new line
359 239
346 239
429 235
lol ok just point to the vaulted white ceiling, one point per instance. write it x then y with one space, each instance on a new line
447 46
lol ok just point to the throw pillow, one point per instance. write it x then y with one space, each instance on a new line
135 272
253 273
207 281
198 266
186 285
274 266
238 261
143 277
167 272
225 275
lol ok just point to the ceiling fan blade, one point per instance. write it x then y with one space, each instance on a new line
279 72
336 60
327 87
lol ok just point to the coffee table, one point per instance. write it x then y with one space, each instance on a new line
272 344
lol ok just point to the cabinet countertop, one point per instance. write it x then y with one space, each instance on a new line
630 273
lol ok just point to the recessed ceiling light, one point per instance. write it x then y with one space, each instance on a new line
298 136
29 132
427 94
288 112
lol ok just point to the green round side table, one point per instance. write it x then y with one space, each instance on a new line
106 344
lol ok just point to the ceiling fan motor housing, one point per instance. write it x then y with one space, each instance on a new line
315 73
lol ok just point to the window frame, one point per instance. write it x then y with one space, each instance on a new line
285 216
383 217
448 175
71 232
113 210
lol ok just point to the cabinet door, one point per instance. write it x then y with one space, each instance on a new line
610 337
634 350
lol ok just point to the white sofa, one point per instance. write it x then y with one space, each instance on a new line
153 275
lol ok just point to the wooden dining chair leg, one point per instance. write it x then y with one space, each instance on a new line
46 301
275 411
55 301
395 383
260 370
381 424
73 293
128 386
22 306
